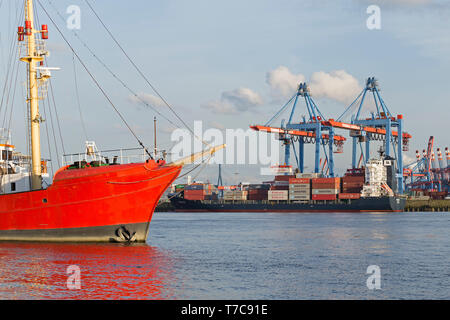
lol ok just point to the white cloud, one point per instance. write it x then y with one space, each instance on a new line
242 98
283 83
219 106
147 98
235 101
337 85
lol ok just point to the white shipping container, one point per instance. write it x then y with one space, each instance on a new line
277 195
299 189
300 198
299 186
299 195
299 192
308 175
325 191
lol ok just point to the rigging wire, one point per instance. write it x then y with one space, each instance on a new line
48 137
56 114
78 97
50 109
112 73
12 61
53 130
276 115
349 107
142 74
96 82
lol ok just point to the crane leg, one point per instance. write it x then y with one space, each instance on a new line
330 157
301 153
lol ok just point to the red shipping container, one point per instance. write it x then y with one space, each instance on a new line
325 180
349 195
353 178
257 197
194 194
283 178
285 187
323 197
352 184
326 186
299 181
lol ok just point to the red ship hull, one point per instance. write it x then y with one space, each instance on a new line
110 203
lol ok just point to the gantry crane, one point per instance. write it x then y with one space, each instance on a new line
425 174
379 126
312 130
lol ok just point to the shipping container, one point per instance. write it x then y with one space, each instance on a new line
323 197
300 197
299 181
194 187
353 184
325 191
264 186
301 191
326 186
257 197
353 179
352 190
283 177
277 195
308 175
325 180
299 186
349 195
286 187
194 194
280 183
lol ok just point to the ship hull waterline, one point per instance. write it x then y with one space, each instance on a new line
102 204
381 204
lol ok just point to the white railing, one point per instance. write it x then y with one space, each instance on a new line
116 156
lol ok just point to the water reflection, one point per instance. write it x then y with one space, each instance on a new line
108 271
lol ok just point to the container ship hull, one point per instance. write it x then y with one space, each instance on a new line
109 204
375 204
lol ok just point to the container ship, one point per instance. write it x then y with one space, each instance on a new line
367 189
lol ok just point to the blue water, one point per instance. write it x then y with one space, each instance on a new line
245 256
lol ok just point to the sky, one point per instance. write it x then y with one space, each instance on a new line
232 64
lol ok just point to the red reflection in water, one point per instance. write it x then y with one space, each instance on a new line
108 271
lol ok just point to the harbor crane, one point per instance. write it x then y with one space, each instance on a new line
380 126
427 175
311 130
